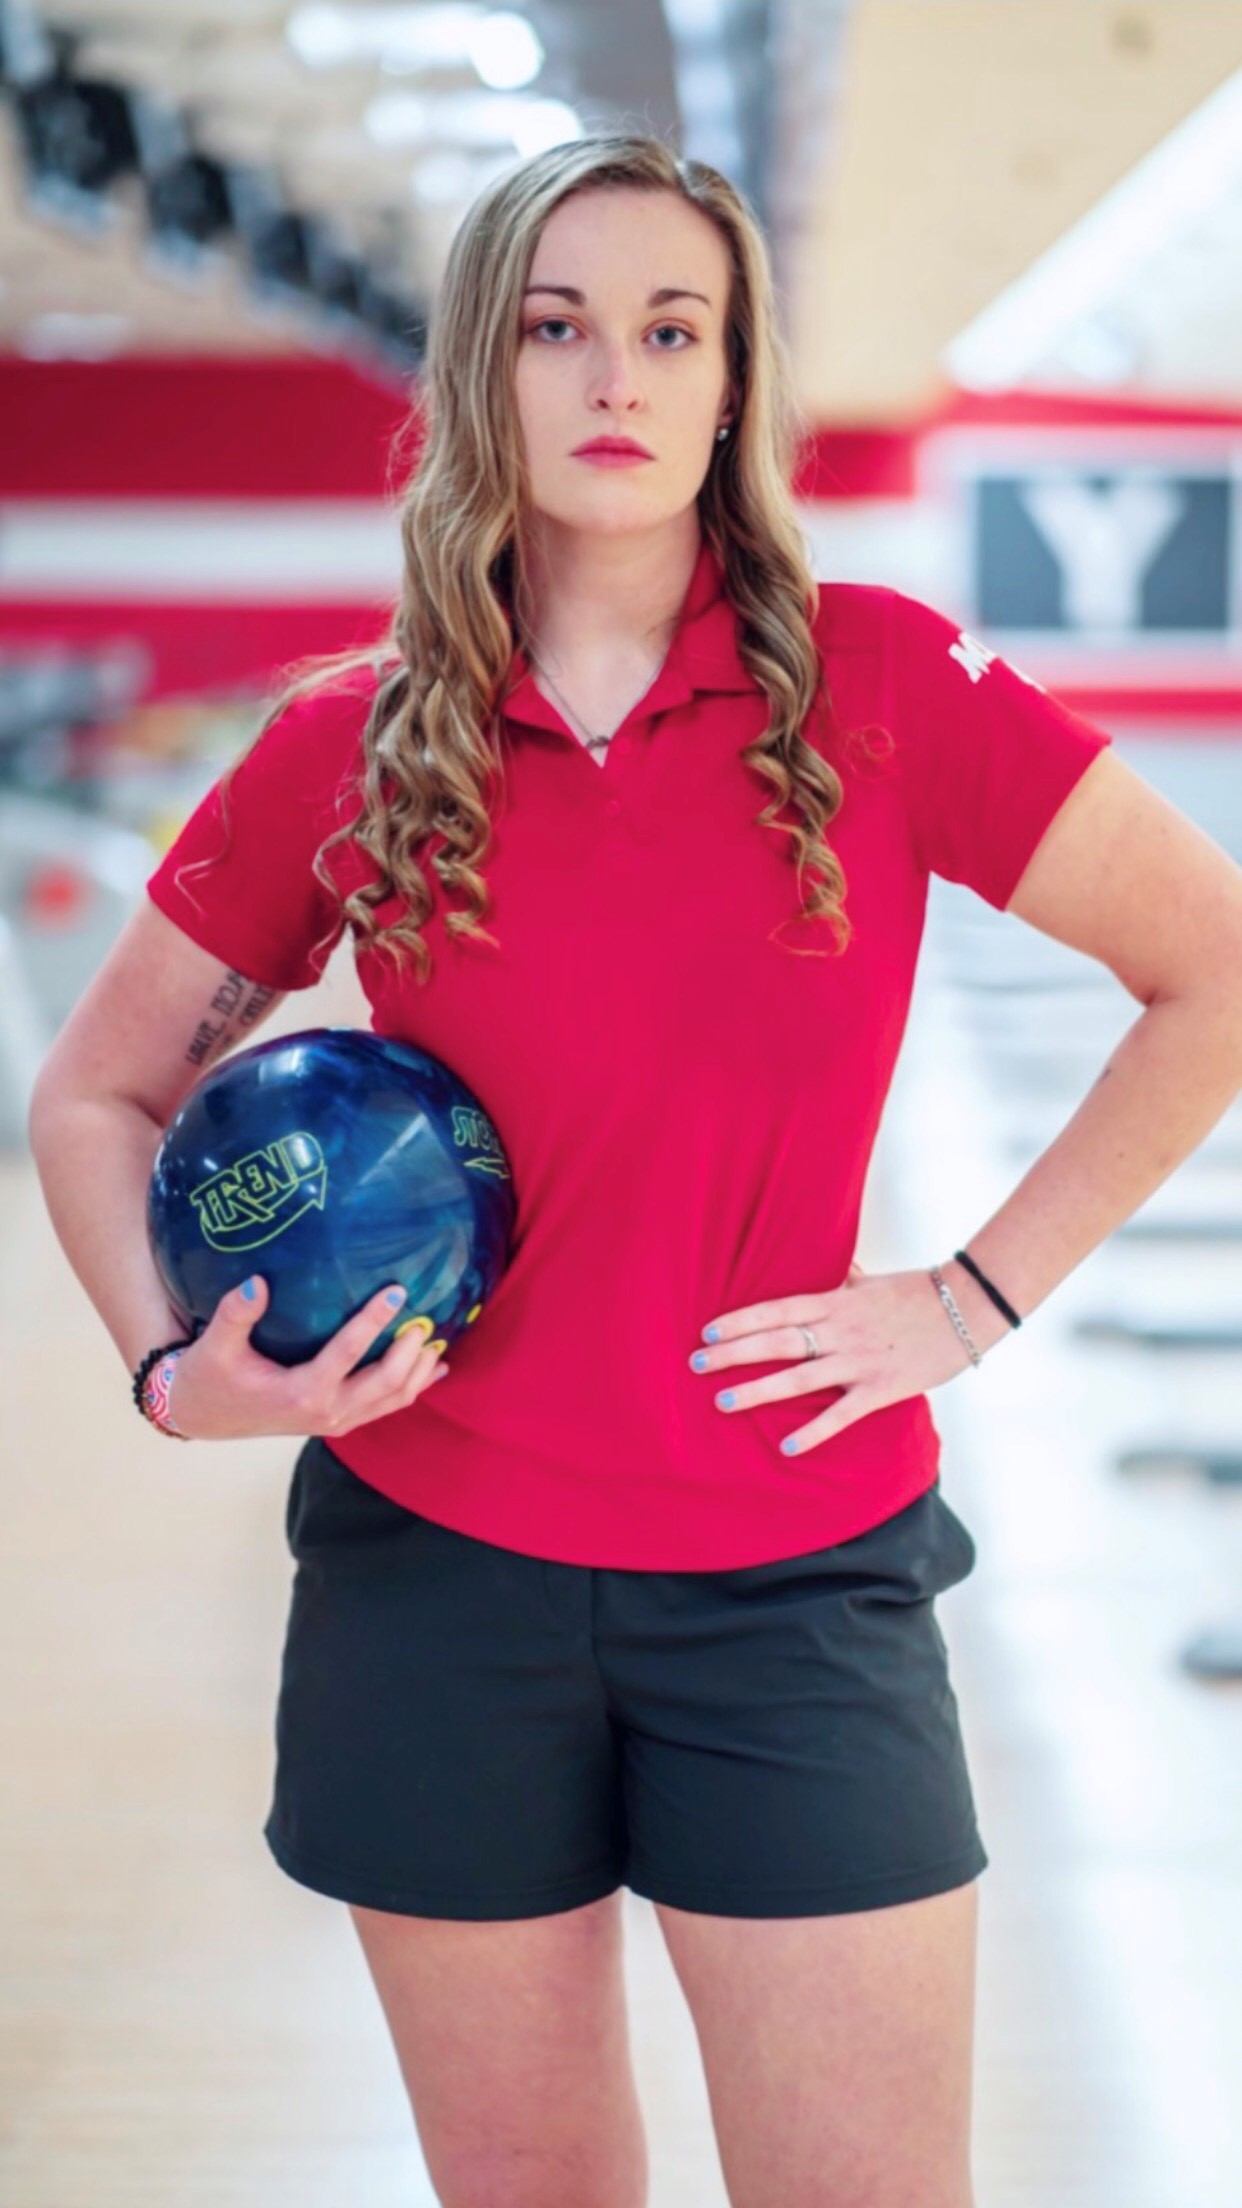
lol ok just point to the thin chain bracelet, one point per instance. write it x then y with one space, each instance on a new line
945 1294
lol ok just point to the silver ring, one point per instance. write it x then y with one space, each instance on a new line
812 1346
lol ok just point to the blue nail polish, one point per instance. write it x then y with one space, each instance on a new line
250 1288
699 1360
789 1444
726 1401
711 1333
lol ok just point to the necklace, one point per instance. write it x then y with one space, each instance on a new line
593 742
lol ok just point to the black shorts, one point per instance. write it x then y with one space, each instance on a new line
466 1731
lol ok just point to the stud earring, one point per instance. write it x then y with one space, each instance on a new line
723 431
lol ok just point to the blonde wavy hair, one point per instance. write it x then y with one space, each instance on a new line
431 731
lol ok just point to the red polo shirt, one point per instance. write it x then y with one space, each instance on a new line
689 1109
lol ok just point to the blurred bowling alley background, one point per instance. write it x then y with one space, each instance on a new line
1008 242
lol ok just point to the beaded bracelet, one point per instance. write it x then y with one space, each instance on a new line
152 1386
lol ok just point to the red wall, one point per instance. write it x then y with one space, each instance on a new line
276 432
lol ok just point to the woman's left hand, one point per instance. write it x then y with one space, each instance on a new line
882 1337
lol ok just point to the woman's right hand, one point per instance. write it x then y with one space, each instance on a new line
224 1388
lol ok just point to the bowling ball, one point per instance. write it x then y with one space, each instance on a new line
332 1161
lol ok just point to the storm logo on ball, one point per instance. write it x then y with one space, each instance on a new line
260 1196
473 1130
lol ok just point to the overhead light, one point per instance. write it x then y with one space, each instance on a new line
321 37
1187 175
696 18
505 50
447 35
400 118
410 37
543 123
469 119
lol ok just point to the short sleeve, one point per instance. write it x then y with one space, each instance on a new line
258 905
988 756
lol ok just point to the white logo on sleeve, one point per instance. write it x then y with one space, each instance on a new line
976 658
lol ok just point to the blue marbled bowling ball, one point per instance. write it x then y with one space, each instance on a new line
333 1162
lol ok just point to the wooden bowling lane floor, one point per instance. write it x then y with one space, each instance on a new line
181 2026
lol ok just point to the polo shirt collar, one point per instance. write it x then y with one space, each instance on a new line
703 655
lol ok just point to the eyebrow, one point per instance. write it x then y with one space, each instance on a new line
578 298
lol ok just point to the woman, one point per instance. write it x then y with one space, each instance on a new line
644 1595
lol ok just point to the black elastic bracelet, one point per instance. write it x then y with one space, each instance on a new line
152 1358
986 1285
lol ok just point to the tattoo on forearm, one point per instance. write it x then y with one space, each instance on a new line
235 1005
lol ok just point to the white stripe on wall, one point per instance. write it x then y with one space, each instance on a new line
174 549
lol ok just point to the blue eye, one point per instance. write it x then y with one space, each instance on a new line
558 322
